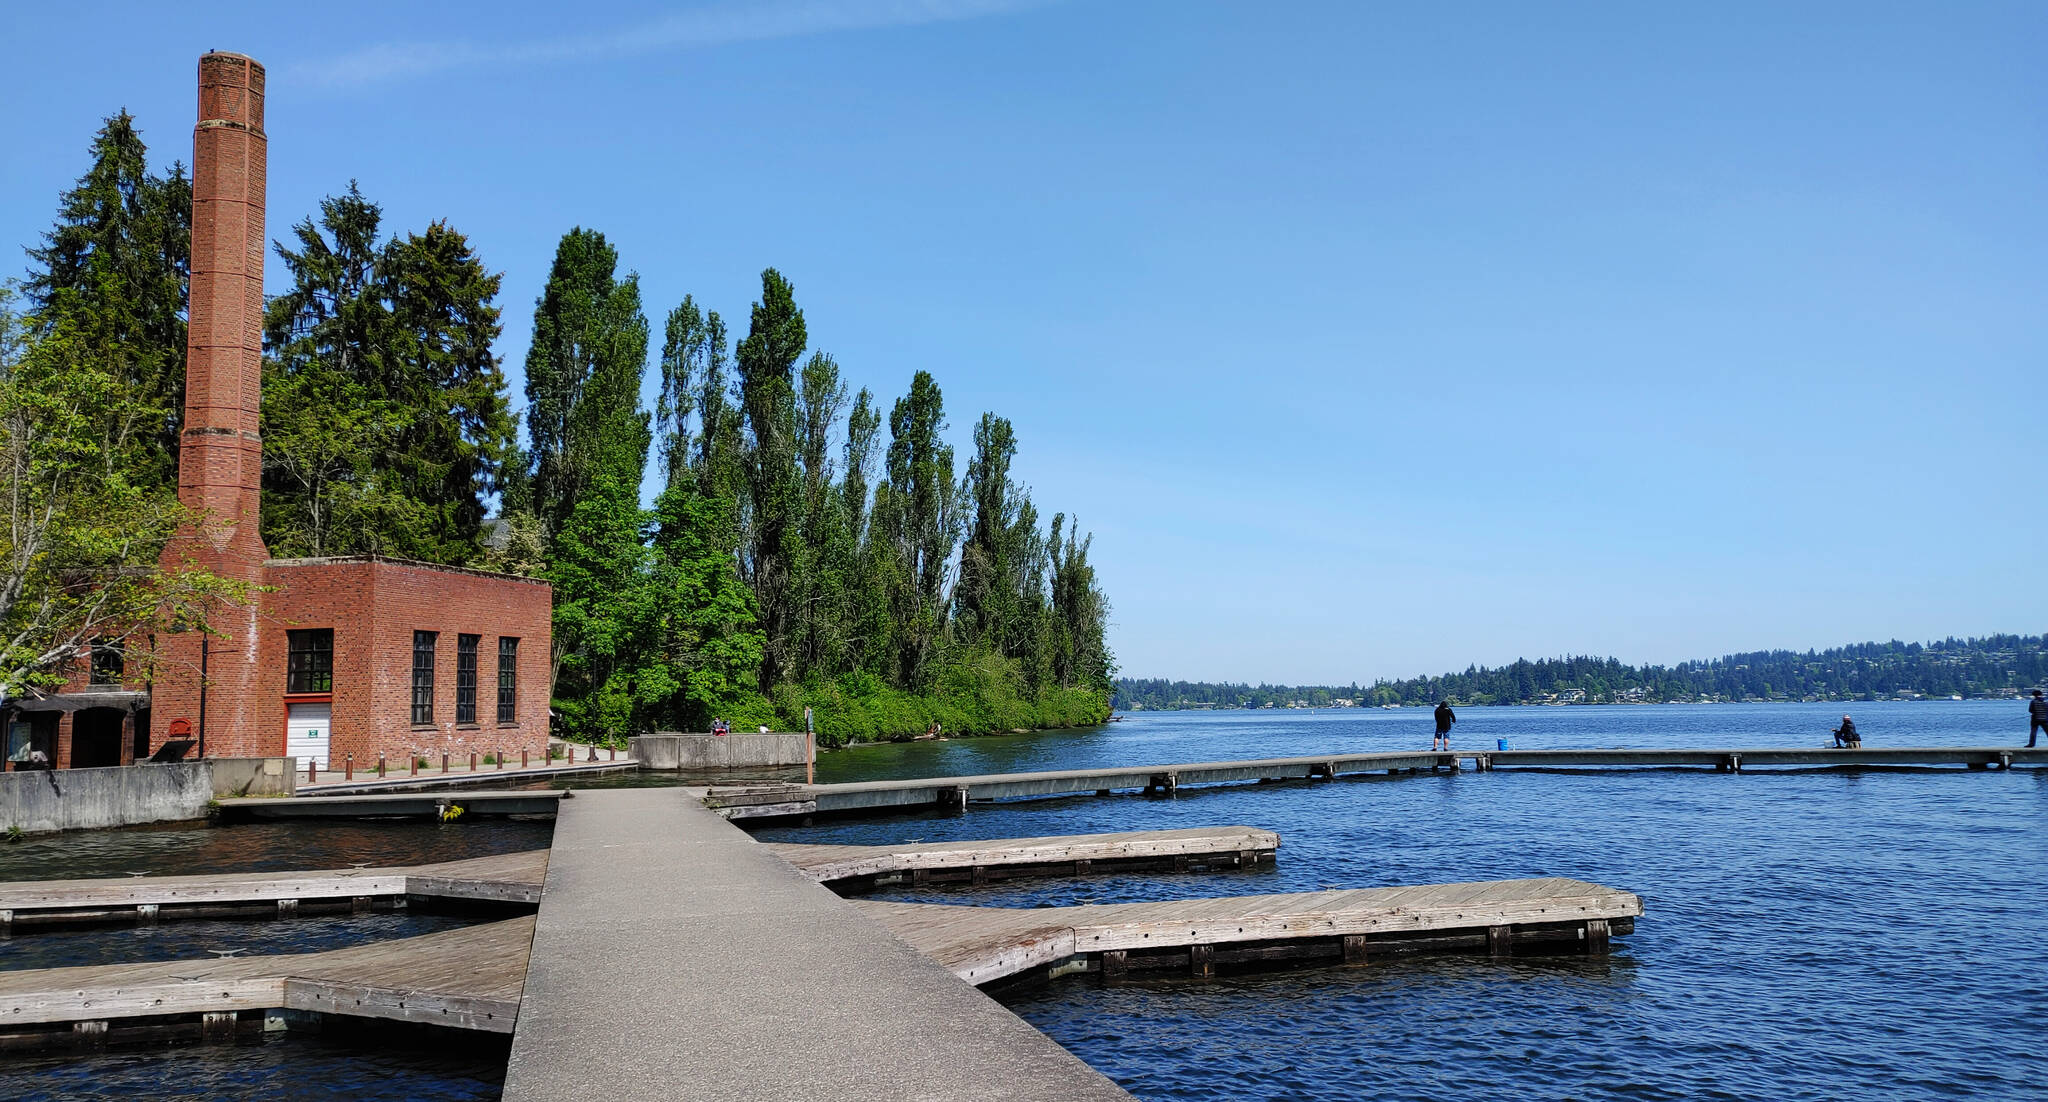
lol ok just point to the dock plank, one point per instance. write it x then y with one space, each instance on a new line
829 864
981 944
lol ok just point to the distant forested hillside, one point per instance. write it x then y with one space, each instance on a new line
1996 665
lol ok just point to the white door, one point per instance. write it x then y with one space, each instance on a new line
306 732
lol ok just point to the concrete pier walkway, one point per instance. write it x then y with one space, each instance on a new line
736 976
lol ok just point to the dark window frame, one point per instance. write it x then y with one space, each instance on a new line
465 679
508 679
423 643
108 662
309 665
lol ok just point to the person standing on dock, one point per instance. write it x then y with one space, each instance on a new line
2037 718
1444 718
1846 735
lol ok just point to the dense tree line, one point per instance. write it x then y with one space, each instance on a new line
793 556
1952 667
807 547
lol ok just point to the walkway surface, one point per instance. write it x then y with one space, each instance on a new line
504 878
735 976
400 777
1076 854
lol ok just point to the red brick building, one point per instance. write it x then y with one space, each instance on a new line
335 657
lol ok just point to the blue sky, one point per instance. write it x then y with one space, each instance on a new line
1370 340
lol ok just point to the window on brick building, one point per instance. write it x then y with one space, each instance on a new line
423 676
309 661
508 679
108 662
465 678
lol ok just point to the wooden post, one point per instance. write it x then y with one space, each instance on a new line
1114 963
501 759
380 766
312 770
218 1025
444 761
1354 948
348 767
615 752
980 874
415 756
522 758
472 761
1596 937
1500 941
1201 960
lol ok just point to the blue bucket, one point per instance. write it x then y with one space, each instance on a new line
1502 743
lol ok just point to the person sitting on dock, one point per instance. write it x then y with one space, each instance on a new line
2037 718
1846 735
1444 718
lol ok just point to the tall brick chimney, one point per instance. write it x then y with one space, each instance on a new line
220 453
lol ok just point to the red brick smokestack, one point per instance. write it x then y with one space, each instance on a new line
220 453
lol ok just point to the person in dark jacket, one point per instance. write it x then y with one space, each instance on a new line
1846 735
2037 718
1444 718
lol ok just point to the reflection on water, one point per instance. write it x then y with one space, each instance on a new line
183 848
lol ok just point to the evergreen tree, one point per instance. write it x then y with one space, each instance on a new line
386 421
113 274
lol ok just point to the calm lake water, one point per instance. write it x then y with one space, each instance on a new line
1809 935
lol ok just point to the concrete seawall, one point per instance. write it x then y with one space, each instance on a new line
125 795
739 750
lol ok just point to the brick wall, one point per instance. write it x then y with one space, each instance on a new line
374 608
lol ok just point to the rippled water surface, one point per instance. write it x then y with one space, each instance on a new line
1809 934
294 1066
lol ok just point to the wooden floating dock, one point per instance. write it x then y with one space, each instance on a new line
399 779
513 878
1198 849
539 803
1195 936
796 800
463 979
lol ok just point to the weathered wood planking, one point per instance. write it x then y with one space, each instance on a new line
982 944
1238 846
505 878
776 801
465 979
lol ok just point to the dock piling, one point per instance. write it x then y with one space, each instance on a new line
1202 961
1354 949
1500 941
1596 934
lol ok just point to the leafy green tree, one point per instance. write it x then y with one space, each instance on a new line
1080 611
81 535
112 274
605 614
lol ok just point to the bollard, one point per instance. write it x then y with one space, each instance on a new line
348 767
380 766
415 757
444 761
615 753
522 758
312 770
501 759
593 751
472 761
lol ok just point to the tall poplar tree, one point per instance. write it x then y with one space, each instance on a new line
917 510
767 361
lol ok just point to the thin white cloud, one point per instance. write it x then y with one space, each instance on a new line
733 21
